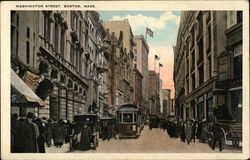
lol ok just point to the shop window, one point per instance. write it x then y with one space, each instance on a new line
200 108
237 62
236 101
209 106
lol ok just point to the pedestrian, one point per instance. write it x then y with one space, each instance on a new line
41 137
194 129
188 131
59 133
31 134
48 132
218 135
85 138
18 133
113 131
182 131
150 126
69 128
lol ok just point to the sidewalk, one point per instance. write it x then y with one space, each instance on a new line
54 149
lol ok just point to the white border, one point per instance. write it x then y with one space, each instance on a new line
121 5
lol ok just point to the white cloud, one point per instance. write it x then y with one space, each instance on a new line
139 21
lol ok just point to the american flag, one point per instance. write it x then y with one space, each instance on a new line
149 32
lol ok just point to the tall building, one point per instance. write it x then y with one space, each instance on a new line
209 52
166 102
60 47
154 94
141 50
122 42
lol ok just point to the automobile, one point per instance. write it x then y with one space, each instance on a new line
91 120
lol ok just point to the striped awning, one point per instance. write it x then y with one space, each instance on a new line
21 93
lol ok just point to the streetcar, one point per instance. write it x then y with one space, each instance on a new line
129 121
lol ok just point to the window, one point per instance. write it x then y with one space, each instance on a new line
201 74
239 16
127 117
27 52
28 32
193 81
47 26
200 108
236 101
56 37
72 54
208 40
187 66
193 61
209 106
209 66
14 33
135 58
200 45
200 24
62 44
237 62
187 85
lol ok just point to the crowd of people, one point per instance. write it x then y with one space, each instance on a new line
108 131
191 130
30 134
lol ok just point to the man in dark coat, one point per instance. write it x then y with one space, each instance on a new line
30 138
69 129
59 133
182 132
218 135
18 131
48 133
41 137
85 138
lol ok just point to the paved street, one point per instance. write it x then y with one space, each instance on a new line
155 141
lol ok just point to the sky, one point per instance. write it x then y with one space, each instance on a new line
165 26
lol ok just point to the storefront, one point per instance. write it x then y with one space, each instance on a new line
23 99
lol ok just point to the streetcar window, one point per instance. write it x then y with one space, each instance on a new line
135 117
127 117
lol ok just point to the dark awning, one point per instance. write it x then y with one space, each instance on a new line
21 93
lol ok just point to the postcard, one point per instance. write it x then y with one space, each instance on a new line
125 80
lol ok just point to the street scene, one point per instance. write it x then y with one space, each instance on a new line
126 81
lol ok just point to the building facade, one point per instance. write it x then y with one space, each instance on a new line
154 95
141 51
122 68
166 102
209 46
62 47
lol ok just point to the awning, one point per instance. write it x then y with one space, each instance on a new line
20 92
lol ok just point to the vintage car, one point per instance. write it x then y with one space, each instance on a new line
79 121
105 128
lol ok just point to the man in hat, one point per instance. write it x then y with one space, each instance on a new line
85 137
30 139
